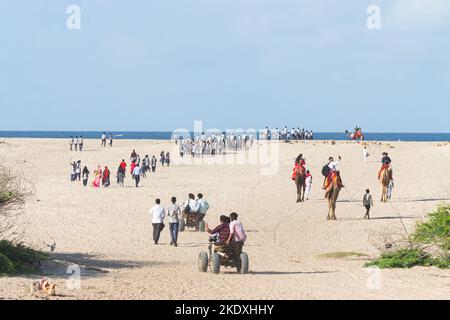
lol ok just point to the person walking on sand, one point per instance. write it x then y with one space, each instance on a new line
106 181
368 203
174 214
167 159
154 162
137 175
85 176
162 159
121 175
76 143
365 154
110 139
104 139
308 184
158 214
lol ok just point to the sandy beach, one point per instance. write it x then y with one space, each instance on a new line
107 232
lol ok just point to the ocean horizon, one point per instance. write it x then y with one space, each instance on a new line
166 135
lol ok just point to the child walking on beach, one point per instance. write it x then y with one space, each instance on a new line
368 203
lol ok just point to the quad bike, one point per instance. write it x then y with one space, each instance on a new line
191 220
223 255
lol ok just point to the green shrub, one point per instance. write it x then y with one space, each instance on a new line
436 230
403 258
21 258
6 267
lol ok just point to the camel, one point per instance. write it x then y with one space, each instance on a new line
332 194
300 183
385 179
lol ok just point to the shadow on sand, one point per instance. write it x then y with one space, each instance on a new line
289 272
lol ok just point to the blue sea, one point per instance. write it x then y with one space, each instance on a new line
166 135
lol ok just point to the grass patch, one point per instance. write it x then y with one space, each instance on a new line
434 233
17 258
341 255
436 230
403 258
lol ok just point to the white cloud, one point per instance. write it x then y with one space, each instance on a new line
419 14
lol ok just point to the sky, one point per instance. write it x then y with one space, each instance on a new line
147 65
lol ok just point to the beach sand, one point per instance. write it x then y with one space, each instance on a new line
108 232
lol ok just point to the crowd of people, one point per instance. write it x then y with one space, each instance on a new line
331 168
76 143
102 177
213 144
287 135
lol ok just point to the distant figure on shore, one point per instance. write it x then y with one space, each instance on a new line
110 139
85 176
162 158
80 143
368 203
104 139
71 142
365 154
76 143
158 214
174 215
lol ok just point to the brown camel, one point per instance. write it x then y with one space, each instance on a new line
300 183
385 179
332 194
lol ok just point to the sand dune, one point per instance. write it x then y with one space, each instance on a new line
108 232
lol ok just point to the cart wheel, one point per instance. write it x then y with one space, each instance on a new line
203 262
215 263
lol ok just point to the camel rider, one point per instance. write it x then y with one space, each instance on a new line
386 162
299 166
328 171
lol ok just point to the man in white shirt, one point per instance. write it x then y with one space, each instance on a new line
158 214
308 184
365 154
80 143
200 209
104 139
137 175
